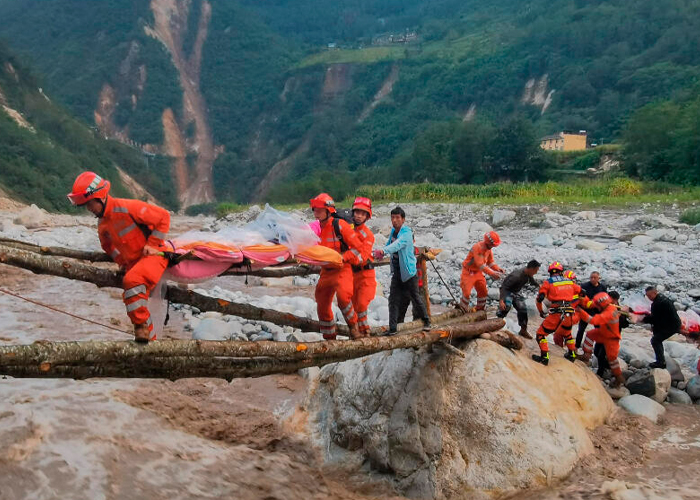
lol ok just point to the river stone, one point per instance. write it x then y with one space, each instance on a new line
693 388
677 396
457 234
642 382
674 369
437 426
591 245
32 217
480 227
640 405
500 217
211 329
662 383
694 292
544 240
585 215
641 240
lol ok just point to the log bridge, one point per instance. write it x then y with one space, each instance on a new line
175 359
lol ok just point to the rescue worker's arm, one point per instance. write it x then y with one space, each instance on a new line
483 266
492 264
540 298
353 255
157 219
107 246
367 244
599 319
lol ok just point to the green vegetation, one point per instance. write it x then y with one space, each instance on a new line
691 216
40 165
359 56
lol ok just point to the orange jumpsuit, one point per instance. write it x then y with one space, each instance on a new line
561 292
607 332
126 226
337 280
578 298
478 261
364 278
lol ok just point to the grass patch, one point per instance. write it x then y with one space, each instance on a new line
364 56
617 191
691 216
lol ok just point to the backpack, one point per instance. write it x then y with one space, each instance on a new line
346 215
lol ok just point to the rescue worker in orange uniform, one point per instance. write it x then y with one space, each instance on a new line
558 337
479 261
132 233
340 236
560 292
363 276
606 332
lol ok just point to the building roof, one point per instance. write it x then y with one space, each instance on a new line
551 137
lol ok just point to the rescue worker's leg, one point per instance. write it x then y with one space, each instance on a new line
482 292
325 291
612 349
365 288
138 283
548 326
564 331
592 336
417 303
344 293
396 292
466 283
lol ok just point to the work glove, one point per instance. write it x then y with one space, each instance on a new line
543 314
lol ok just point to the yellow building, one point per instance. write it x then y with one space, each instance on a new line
564 141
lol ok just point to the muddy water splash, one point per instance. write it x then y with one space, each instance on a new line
170 28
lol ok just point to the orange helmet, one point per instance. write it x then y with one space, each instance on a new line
555 267
365 204
88 186
570 275
492 238
323 200
602 300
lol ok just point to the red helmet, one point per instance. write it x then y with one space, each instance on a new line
323 200
491 238
88 186
365 204
602 300
555 266
570 275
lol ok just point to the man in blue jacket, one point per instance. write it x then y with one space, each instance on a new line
404 276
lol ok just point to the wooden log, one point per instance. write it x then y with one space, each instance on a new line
184 359
423 266
57 251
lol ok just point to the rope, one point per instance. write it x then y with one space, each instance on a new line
63 312
443 282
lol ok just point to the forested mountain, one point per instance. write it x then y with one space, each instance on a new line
278 98
43 148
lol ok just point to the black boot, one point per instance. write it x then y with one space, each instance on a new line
570 355
542 358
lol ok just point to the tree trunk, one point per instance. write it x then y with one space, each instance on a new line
57 251
191 358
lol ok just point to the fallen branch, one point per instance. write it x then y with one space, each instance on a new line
228 360
56 251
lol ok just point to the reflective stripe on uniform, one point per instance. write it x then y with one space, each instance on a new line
364 235
127 230
135 305
132 292
362 314
346 309
149 322
326 323
121 210
158 234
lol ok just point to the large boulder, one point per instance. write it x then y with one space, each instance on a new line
662 383
593 245
693 388
544 240
642 383
640 405
457 234
500 217
437 425
676 396
32 217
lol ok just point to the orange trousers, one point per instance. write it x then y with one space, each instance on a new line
334 282
559 334
140 279
476 280
364 290
560 325
612 347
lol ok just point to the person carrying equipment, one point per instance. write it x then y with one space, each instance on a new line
607 332
338 235
558 338
479 261
132 233
510 294
560 292
363 276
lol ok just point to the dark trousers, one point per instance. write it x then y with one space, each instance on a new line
603 364
518 302
400 293
657 342
582 330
